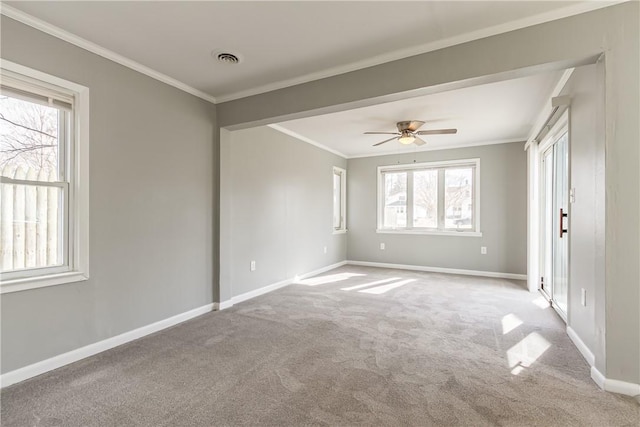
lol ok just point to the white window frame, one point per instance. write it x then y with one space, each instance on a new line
474 232
76 256
343 200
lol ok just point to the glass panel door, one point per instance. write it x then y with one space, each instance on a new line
554 221
561 208
546 226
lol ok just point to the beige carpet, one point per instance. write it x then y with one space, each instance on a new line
357 346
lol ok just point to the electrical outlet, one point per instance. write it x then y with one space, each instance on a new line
483 250
325 249
253 266
583 297
382 246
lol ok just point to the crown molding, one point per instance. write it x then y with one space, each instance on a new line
448 147
54 31
302 138
565 12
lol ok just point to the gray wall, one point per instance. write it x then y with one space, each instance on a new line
586 225
152 207
503 214
554 45
280 208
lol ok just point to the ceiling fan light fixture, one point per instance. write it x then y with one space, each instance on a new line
406 139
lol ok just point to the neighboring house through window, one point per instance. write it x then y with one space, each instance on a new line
436 197
44 179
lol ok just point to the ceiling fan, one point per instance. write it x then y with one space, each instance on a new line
408 133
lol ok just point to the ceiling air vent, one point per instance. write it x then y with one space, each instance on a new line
228 58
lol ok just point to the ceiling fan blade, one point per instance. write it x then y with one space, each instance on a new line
419 141
437 132
386 140
414 125
381 133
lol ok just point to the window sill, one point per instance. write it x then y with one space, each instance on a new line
26 283
340 231
431 233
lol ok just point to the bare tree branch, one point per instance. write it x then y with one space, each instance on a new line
26 127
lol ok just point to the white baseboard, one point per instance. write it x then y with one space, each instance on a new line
270 288
441 270
614 386
597 377
581 346
225 304
55 362
607 384
261 291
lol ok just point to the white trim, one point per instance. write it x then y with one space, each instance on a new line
68 37
302 138
560 127
430 232
441 165
614 386
77 174
529 21
547 108
270 288
261 291
533 218
463 272
35 282
428 147
55 362
343 199
581 346
622 387
597 377
225 304
429 165
40 76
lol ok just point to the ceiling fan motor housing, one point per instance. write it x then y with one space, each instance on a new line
409 125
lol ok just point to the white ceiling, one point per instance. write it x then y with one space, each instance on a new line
492 113
283 43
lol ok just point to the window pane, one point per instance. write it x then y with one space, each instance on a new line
425 198
30 227
395 200
337 200
458 198
29 137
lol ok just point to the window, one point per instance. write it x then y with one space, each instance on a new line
43 179
339 200
430 198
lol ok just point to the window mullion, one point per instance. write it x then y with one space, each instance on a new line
63 122
441 190
409 200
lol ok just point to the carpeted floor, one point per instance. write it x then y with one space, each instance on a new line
355 346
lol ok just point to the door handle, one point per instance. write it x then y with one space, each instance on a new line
562 229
